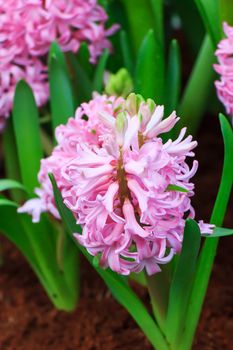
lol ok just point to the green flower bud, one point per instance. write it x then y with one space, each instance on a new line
119 84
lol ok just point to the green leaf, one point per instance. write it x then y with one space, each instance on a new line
176 188
27 134
210 12
149 75
227 173
8 184
37 243
201 79
173 78
193 38
143 16
81 81
7 202
99 73
83 57
10 152
55 52
220 232
11 162
61 97
12 228
182 283
208 251
120 290
126 52
226 10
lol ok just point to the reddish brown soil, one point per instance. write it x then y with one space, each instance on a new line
29 322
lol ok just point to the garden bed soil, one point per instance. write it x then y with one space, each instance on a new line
29 322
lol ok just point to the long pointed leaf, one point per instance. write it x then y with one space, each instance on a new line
173 78
182 282
99 73
126 52
82 82
61 97
149 74
144 15
220 232
210 12
191 109
27 134
8 184
12 228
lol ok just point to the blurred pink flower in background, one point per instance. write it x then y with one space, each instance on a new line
224 67
27 29
128 190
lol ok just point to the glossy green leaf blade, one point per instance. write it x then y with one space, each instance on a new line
55 52
176 188
27 134
8 184
173 78
227 173
210 12
7 202
83 57
61 97
192 25
182 283
220 232
121 291
99 73
31 240
11 161
142 16
149 74
208 251
126 52
201 79
81 81
226 10
12 228
43 242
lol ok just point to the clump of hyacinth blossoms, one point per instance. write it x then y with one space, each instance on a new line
224 67
128 190
28 27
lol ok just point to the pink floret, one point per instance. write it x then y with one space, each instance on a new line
27 29
114 173
224 68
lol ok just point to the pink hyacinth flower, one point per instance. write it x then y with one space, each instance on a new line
224 68
27 29
114 173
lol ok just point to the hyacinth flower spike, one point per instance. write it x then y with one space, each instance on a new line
115 173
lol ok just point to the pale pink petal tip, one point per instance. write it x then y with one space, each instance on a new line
33 207
206 228
114 173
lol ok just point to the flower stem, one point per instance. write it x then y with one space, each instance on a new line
196 92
